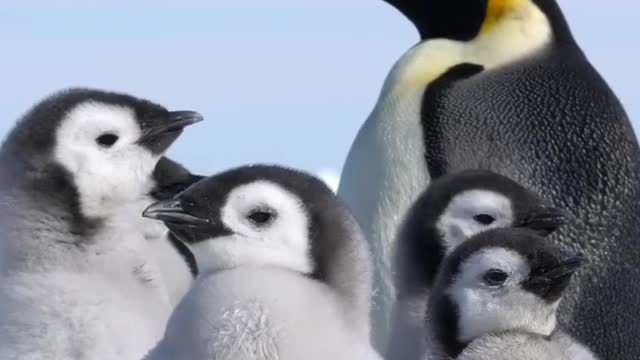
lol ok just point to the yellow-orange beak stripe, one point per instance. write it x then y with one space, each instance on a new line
496 9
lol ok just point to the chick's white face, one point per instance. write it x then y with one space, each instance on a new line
489 296
97 144
269 225
472 212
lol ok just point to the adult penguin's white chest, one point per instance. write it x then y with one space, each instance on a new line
386 168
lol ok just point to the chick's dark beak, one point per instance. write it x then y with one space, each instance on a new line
160 133
180 119
544 221
172 213
185 226
550 283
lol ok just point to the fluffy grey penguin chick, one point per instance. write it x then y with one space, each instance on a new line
284 270
79 280
451 210
496 297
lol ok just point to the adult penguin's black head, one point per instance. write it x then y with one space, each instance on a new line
463 20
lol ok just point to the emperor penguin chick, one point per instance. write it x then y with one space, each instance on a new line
503 286
79 280
285 272
452 209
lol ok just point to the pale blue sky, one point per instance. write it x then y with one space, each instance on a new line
280 81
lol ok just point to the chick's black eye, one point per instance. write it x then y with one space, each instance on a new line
261 217
484 219
107 140
495 277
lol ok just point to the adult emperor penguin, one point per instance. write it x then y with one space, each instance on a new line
78 278
284 270
452 209
502 85
501 287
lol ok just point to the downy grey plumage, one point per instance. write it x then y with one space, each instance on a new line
78 278
285 272
497 292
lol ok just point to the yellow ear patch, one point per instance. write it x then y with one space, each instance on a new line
496 10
